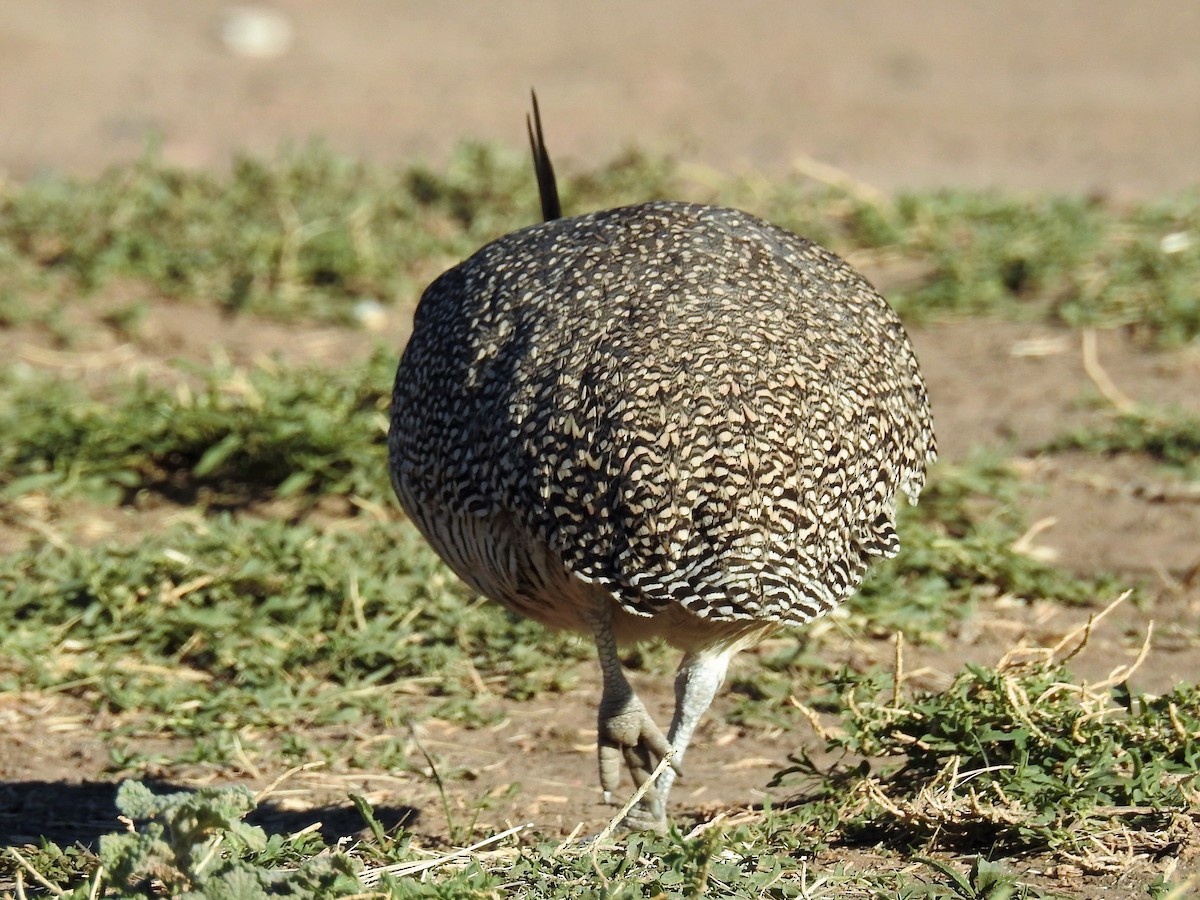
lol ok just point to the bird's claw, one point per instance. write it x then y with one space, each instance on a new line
628 734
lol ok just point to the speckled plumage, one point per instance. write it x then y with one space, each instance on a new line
681 404
665 420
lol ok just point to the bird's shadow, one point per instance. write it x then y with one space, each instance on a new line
79 813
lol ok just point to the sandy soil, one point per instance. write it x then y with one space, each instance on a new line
1080 95
992 384
1075 95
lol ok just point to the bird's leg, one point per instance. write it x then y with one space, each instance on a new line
626 730
699 677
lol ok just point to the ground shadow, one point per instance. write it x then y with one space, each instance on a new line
71 813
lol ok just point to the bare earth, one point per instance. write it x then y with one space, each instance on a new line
1076 95
1080 95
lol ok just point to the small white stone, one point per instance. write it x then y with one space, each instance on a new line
370 314
1175 242
256 32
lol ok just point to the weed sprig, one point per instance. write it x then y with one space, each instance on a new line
1019 758
235 435
1167 437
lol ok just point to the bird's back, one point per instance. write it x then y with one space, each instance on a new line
679 404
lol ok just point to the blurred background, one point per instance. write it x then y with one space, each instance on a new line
1076 95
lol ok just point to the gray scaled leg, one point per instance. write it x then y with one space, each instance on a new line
699 677
627 732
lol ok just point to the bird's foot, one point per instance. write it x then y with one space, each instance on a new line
648 814
628 733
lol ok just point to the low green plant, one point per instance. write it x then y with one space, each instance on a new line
1016 759
310 234
237 435
198 627
988 773
1171 438
367 609
195 845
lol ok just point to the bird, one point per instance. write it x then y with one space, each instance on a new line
667 421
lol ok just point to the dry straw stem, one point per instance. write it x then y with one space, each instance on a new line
275 785
1114 849
1183 890
1025 543
898 668
27 866
814 718
1105 385
570 846
1069 646
372 877
941 804
1023 656
838 178
616 820
78 362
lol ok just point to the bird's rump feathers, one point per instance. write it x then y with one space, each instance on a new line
681 404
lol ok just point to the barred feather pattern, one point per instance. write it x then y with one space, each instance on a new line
677 405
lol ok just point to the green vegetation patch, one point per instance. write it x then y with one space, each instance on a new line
237 433
225 622
214 625
1062 259
225 628
219 622
972 792
1170 438
306 236
309 235
196 844
1015 759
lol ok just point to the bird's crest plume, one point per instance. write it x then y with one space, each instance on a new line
547 184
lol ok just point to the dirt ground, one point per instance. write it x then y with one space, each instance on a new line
1079 95
1075 95
992 384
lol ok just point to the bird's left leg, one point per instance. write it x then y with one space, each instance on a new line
626 730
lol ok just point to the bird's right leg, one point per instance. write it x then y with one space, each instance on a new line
700 676
626 730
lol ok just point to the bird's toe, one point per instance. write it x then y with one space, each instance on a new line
628 734
646 817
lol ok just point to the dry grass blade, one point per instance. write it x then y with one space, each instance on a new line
1018 657
1121 673
1105 385
813 717
1025 543
842 180
1183 890
977 765
284 776
372 877
616 820
1085 630
28 867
